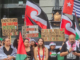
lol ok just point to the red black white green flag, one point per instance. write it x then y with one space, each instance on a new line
77 28
21 52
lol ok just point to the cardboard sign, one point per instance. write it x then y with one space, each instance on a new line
52 34
30 31
9 26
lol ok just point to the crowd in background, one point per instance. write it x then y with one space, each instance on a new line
34 50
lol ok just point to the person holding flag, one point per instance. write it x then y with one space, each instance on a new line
41 52
29 50
21 52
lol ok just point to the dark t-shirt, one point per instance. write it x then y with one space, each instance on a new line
30 53
53 54
70 56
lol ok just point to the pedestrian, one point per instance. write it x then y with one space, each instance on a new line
7 51
53 51
41 52
29 50
70 50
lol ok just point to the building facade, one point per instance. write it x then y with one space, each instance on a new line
16 9
13 9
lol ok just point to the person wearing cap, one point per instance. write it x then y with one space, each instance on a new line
70 50
33 43
52 51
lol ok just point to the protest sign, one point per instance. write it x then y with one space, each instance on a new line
30 31
9 26
52 34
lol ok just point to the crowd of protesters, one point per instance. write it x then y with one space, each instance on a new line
37 50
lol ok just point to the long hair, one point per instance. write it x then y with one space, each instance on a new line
6 37
34 44
42 41
15 43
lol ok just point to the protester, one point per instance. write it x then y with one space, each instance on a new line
33 43
7 52
29 50
53 51
15 43
41 52
70 49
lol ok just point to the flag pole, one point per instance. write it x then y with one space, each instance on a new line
25 16
61 14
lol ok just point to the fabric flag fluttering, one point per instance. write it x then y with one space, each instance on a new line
67 25
71 7
34 15
21 52
77 29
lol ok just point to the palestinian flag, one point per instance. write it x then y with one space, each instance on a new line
21 52
77 28
34 15
72 6
52 54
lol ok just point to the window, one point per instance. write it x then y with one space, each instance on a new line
13 12
16 1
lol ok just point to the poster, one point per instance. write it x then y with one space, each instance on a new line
53 34
30 31
9 26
